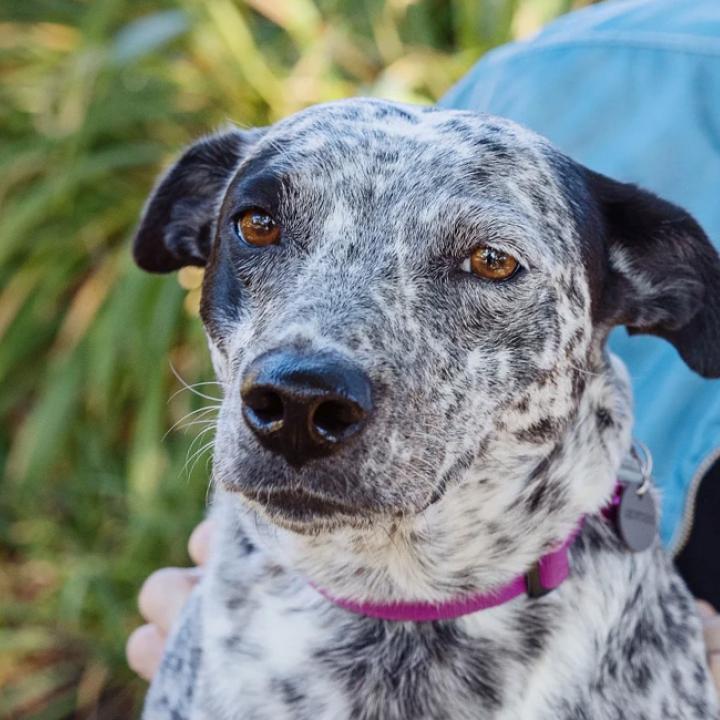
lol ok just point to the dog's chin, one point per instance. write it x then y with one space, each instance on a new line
305 512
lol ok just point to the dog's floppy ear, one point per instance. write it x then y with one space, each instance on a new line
664 274
177 223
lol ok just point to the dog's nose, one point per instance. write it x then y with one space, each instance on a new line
305 406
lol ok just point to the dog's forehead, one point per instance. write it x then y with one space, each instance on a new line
372 137
394 118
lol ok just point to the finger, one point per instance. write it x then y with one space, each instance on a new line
715 670
705 610
164 593
144 650
199 543
711 631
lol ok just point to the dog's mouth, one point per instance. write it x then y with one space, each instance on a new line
299 507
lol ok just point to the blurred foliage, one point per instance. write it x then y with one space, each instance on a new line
95 97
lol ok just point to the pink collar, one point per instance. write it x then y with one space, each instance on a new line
549 572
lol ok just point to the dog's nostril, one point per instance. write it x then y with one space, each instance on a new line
267 406
332 417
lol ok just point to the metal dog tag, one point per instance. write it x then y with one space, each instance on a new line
637 515
637 518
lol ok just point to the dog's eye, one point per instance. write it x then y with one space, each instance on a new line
257 228
490 263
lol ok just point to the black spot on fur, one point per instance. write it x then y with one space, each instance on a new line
538 495
411 656
604 419
457 468
540 432
288 690
540 470
534 625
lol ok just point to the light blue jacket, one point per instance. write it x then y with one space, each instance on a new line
631 88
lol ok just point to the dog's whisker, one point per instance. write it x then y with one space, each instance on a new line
584 371
211 423
198 437
198 454
192 454
210 483
181 421
191 388
209 428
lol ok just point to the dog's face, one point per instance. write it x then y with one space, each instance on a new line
403 300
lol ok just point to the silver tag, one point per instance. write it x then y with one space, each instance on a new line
637 518
637 515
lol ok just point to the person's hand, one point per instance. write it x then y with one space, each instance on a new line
161 598
711 629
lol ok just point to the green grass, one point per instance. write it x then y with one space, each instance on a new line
95 97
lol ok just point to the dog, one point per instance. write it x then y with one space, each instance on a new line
407 309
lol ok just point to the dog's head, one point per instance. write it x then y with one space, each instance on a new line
407 309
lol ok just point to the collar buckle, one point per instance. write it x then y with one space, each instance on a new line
534 581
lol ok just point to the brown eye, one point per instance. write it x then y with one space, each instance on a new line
492 264
257 228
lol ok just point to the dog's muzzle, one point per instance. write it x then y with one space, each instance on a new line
305 405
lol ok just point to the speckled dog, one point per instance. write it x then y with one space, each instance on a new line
407 310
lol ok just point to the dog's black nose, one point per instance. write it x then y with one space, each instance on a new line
305 406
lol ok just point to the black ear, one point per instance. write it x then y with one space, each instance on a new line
177 223
664 274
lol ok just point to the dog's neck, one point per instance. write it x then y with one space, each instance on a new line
456 547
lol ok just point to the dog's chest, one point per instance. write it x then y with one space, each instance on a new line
274 648
296 657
